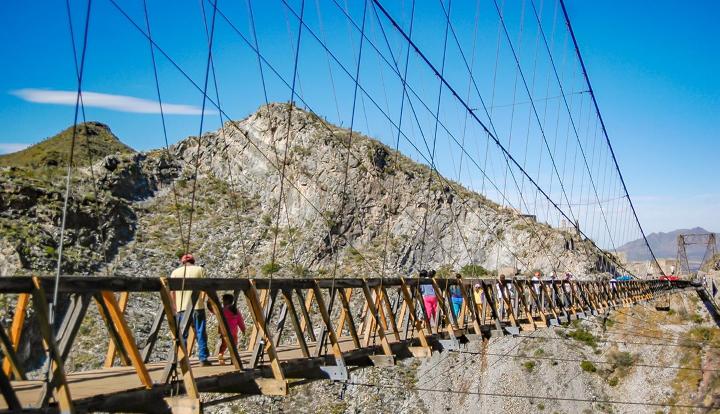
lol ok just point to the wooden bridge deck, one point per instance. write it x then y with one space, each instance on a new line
90 389
385 320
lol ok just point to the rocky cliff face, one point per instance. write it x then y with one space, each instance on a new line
386 215
349 206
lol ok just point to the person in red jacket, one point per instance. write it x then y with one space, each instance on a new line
234 321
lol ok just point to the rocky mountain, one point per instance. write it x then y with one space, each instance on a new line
664 245
349 206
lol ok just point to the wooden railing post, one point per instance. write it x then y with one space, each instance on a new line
62 391
16 327
127 338
183 358
110 356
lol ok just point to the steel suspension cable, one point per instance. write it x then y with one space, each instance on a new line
605 134
70 160
276 231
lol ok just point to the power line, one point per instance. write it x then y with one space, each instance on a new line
527 396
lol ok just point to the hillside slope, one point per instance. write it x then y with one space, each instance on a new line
93 142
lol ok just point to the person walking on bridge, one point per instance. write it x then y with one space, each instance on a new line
234 321
183 298
429 297
456 296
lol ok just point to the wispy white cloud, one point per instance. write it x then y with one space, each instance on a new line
119 103
8 147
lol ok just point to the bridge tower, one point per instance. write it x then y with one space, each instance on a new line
684 240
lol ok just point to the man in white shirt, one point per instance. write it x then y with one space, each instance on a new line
189 270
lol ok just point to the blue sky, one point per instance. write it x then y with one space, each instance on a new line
654 70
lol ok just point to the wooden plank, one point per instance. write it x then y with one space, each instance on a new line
505 296
127 338
287 295
62 391
110 356
183 359
16 327
230 341
8 393
370 323
280 326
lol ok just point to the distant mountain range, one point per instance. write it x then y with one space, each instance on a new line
664 245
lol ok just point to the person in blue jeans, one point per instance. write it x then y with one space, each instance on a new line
456 297
199 323
188 270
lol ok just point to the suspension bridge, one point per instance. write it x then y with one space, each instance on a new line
491 98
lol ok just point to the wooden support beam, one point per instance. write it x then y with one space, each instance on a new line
127 338
16 328
182 324
337 352
505 296
421 335
374 314
72 322
443 307
490 301
535 296
382 290
62 391
280 326
10 356
306 325
183 358
346 294
110 356
112 331
257 312
151 339
550 300
347 317
520 291
230 341
252 340
287 295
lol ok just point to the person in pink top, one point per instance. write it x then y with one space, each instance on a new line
234 322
